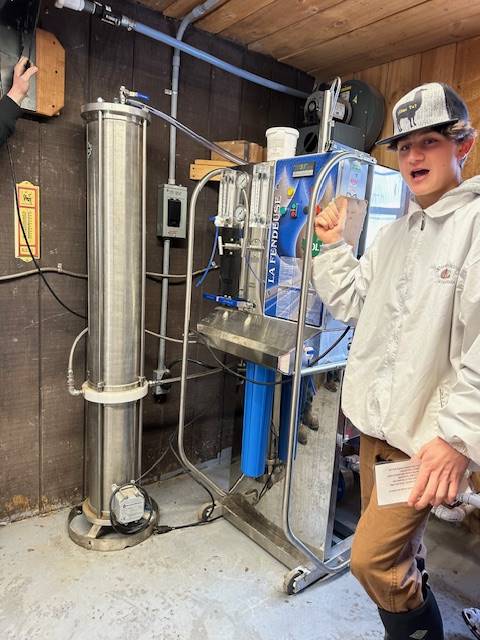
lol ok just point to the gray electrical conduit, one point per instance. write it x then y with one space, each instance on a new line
83 276
32 272
78 392
118 20
195 14
152 274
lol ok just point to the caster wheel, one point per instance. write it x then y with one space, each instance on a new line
205 511
289 582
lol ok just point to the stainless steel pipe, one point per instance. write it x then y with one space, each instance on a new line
186 328
302 312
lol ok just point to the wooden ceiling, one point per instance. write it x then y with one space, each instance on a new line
334 37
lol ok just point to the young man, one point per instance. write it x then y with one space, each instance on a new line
412 383
10 104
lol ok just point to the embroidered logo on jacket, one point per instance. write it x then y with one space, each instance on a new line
446 273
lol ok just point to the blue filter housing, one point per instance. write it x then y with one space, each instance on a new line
257 417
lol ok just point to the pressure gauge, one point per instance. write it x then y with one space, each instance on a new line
242 180
240 213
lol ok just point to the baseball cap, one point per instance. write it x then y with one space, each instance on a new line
429 105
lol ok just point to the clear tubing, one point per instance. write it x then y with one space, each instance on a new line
195 136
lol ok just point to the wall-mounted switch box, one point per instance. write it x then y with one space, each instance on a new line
172 211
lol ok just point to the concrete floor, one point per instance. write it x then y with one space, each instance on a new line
205 583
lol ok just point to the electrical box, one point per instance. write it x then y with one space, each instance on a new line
172 211
128 504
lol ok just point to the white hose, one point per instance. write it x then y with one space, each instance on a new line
70 379
470 498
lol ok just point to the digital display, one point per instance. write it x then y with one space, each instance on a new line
303 169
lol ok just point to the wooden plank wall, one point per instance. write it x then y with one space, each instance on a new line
456 64
41 426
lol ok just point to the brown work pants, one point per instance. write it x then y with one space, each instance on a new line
388 540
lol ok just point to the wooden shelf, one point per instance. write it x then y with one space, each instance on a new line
50 59
200 168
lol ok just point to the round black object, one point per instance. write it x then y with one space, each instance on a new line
368 109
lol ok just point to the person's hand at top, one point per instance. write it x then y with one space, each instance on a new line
330 222
21 80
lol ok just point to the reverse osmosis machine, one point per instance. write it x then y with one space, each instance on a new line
282 494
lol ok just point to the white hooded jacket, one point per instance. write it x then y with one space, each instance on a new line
413 371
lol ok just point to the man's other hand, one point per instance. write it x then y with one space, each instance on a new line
442 468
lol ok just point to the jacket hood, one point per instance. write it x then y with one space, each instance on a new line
458 197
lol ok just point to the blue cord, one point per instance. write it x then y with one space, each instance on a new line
210 262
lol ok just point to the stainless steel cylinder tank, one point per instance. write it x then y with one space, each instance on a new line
116 172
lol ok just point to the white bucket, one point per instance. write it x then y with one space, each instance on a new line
281 142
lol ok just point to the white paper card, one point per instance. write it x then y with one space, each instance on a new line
395 481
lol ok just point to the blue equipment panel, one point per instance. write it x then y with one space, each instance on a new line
294 181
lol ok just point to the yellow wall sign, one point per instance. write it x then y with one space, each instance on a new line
29 205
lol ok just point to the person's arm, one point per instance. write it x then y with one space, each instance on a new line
340 279
445 459
10 104
9 112
459 420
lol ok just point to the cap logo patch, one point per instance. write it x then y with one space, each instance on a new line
409 109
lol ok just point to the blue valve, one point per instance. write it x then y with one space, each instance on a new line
227 301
